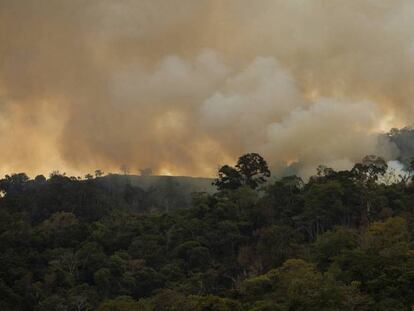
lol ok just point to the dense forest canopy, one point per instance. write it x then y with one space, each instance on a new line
342 240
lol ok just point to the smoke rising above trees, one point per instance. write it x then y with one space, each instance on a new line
184 86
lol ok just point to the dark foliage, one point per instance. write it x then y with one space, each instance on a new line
251 170
341 241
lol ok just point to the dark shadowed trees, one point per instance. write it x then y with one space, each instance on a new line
69 244
251 170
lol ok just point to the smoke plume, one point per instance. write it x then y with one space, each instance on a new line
183 86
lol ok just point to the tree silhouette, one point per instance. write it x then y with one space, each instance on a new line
251 170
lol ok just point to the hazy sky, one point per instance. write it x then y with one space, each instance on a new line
183 86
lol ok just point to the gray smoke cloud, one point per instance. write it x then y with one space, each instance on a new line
182 86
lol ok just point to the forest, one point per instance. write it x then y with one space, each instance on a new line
341 240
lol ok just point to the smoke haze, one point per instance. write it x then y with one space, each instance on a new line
183 86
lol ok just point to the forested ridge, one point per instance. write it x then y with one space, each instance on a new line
343 240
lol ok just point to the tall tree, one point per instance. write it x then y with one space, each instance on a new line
251 170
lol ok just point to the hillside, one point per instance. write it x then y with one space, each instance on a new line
163 193
184 183
342 241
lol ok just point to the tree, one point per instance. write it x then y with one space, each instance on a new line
14 183
124 169
210 303
388 238
276 244
251 170
88 176
40 179
228 178
333 243
366 174
123 303
98 173
370 168
306 289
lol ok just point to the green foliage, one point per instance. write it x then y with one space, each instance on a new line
123 303
341 241
333 243
278 243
